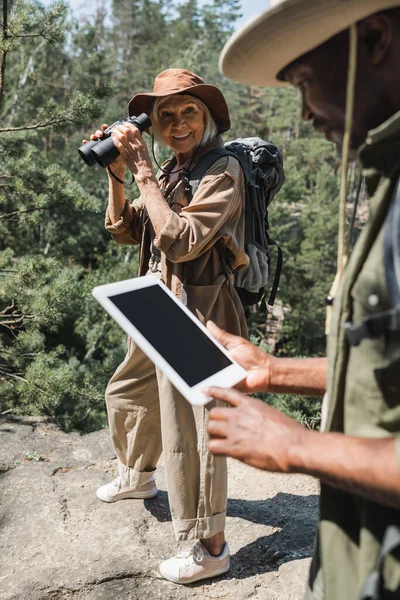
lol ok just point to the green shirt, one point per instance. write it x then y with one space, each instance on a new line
363 393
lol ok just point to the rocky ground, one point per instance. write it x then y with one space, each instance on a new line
58 542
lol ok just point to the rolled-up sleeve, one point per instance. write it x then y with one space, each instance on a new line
128 229
187 235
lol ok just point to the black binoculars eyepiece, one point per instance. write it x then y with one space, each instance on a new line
103 151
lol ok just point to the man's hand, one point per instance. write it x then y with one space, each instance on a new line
253 432
266 373
250 357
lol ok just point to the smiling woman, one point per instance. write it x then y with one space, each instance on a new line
182 117
191 245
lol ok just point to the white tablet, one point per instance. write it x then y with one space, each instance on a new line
170 335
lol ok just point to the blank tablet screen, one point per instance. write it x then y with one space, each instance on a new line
172 333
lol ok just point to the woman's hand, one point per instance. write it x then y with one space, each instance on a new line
133 151
253 432
118 164
257 364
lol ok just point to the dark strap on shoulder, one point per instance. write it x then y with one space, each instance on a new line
206 161
376 325
373 587
392 249
193 177
243 157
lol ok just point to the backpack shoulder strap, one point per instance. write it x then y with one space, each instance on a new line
242 154
392 249
373 587
389 321
194 176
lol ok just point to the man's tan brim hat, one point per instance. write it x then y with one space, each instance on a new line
255 54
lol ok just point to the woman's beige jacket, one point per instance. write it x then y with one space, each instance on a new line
189 258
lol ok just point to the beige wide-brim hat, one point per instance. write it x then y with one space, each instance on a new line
255 54
182 81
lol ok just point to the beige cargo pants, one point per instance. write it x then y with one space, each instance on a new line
147 416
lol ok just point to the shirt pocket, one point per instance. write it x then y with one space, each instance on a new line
202 299
368 294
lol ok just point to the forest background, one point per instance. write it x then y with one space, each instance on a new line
59 80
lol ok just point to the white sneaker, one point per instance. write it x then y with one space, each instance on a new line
195 564
117 490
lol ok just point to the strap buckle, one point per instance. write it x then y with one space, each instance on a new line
356 333
373 326
154 263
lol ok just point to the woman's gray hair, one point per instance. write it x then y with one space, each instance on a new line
210 128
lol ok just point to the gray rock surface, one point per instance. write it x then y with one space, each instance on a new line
58 542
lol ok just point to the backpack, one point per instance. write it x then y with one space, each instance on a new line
262 166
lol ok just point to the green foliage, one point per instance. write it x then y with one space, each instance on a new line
308 232
62 79
305 410
59 347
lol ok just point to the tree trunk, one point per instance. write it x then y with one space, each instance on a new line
3 52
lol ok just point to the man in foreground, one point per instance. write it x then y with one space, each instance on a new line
306 43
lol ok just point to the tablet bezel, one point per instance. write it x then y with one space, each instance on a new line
227 377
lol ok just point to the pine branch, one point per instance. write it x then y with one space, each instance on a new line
15 321
13 376
3 312
23 355
40 125
30 35
12 318
20 212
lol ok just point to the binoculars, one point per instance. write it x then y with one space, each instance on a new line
103 151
